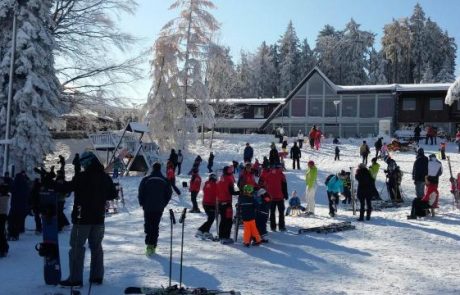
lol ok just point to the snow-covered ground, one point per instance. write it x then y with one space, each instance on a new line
387 255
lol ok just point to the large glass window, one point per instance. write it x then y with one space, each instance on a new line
315 85
259 112
315 107
409 104
385 106
329 108
436 104
295 129
349 106
368 130
302 92
331 130
367 106
349 130
298 107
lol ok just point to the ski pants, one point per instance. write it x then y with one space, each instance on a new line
333 201
337 157
294 161
365 201
225 225
419 207
16 223
261 221
393 190
300 141
250 231
193 196
211 214
3 243
364 159
179 166
312 143
94 233
311 191
37 219
152 226
62 219
347 194
420 189
174 187
281 210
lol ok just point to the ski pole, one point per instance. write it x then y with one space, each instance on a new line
182 220
173 221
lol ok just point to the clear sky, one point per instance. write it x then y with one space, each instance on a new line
246 23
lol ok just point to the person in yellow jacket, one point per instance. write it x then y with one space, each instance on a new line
374 170
310 179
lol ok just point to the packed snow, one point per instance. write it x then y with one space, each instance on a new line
387 255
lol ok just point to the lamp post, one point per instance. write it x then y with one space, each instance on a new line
336 103
10 93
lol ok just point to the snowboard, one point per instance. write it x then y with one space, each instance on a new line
174 290
49 248
330 228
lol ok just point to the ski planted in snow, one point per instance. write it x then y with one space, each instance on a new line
330 228
454 185
174 290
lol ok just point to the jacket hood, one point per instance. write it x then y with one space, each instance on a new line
420 152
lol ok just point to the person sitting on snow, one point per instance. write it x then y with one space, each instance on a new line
294 204
429 200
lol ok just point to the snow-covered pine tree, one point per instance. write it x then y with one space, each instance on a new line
428 76
245 77
434 46
376 68
417 28
275 63
289 60
36 90
396 49
445 75
307 59
264 72
327 54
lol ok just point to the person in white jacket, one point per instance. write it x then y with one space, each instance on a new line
300 138
434 169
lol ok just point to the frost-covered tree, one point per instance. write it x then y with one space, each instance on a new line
307 59
245 82
190 34
428 76
376 68
36 90
289 60
453 94
264 72
417 44
396 49
275 63
445 75
326 52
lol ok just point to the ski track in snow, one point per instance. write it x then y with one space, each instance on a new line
388 255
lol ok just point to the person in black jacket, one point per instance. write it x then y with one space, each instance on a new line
417 131
210 162
365 190
248 153
76 164
92 189
154 195
247 207
273 157
419 171
173 158
378 146
295 156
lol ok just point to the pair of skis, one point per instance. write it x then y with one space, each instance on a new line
174 290
330 228
455 190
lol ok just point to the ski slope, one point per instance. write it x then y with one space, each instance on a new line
387 255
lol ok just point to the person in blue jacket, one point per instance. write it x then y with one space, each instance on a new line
334 185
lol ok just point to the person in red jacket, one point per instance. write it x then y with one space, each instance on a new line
429 200
247 177
209 206
312 136
195 186
225 191
171 176
276 186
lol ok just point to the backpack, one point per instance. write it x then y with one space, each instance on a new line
328 178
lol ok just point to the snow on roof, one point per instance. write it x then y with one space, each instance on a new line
245 100
396 87
453 93
137 127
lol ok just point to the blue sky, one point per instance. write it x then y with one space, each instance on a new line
246 23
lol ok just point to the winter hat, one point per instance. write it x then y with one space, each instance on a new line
157 166
311 163
87 158
421 152
248 189
360 166
212 176
432 156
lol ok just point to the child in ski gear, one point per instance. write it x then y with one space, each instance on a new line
310 180
5 198
263 200
318 139
209 206
171 176
284 146
196 164
248 153
442 149
195 185
374 170
180 159
335 141
300 138
384 153
276 186
346 187
154 195
294 204
337 153
173 158
225 191
394 178
365 191
247 208
92 189
378 146
419 172
256 168
61 162
295 156
274 157
210 162
364 152
334 187
76 164
429 200
235 167
434 169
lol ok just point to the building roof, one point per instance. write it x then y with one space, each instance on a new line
248 101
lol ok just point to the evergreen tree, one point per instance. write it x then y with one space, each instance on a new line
418 42
428 76
264 72
36 90
307 59
445 75
396 49
376 68
327 53
275 63
245 78
433 47
289 60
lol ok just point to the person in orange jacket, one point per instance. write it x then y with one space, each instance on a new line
195 185
209 206
248 214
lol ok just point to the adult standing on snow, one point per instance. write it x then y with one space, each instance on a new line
434 169
210 162
417 131
419 172
171 176
364 152
154 195
209 206
273 157
76 164
20 193
248 153
92 189
378 146
365 191
276 185
195 186
180 159
310 180
173 158
300 138
225 191
374 170
295 156
312 136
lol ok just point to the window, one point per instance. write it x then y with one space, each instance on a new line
367 106
259 112
298 107
368 130
409 104
302 92
436 104
385 106
315 107
349 106
315 85
331 130
349 130
329 108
